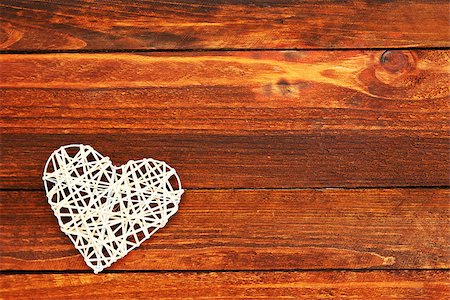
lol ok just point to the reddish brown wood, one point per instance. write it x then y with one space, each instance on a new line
320 159
240 119
254 229
392 74
393 92
237 24
251 119
240 285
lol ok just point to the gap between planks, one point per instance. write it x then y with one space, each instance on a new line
331 188
149 50
194 271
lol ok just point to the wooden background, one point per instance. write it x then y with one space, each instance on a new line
312 138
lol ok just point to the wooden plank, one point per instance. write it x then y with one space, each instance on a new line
393 92
235 285
254 230
321 159
240 119
236 24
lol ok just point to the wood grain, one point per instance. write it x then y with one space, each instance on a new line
237 119
254 230
240 285
237 126
393 92
319 159
234 24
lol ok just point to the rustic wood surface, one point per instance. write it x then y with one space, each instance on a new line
237 24
396 92
237 119
313 140
274 161
234 285
254 229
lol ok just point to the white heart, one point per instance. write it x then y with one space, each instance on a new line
107 211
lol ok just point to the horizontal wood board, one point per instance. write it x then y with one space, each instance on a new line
241 285
254 230
229 24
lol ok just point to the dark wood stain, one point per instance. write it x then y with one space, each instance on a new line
50 25
268 161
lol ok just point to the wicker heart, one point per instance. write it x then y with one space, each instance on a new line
107 211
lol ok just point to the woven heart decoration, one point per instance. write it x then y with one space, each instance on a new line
106 210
